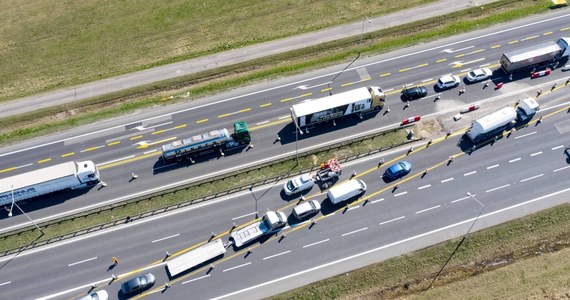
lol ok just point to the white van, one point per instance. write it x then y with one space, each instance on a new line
347 190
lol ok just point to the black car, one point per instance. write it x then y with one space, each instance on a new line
138 284
415 92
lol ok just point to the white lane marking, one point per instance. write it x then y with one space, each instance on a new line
484 65
201 277
382 199
423 187
278 254
533 177
246 215
446 180
355 231
516 159
470 173
284 117
151 151
115 160
560 169
521 136
426 80
316 243
142 127
166 238
465 70
22 166
536 153
461 199
82 261
400 194
557 147
493 166
389 221
427 209
5 283
354 207
388 90
497 188
261 123
383 247
233 268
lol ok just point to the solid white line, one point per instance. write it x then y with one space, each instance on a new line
82 261
278 254
201 277
383 247
460 199
355 231
470 173
316 243
516 159
389 221
5 283
536 153
423 187
560 169
233 268
497 188
261 123
557 147
521 136
400 194
115 160
446 180
166 238
424 210
151 151
354 207
493 166
284 117
246 215
382 199
530 178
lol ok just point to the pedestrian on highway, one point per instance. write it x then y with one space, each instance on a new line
115 261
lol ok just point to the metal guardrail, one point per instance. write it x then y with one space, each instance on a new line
84 214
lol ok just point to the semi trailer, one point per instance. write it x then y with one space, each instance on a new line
536 55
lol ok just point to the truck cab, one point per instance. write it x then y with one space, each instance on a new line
527 109
241 133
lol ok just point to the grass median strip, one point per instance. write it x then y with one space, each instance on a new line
68 226
185 88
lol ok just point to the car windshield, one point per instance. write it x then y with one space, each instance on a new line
312 205
290 185
473 74
143 280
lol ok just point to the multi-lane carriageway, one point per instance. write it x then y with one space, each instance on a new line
123 149
514 176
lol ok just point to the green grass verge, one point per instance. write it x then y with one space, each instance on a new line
119 212
506 244
84 112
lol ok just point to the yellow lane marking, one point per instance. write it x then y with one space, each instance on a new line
293 98
8 170
477 51
347 84
269 124
529 38
146 145
114 143
287 99
326 90
404 70
245 110
132 159
158 131
92 148
548 33
564 29
441 60
385 74
201 121
68 154
411 68
513 42
459 65
181 126
265 105
495 46
459 55
44 160
136 137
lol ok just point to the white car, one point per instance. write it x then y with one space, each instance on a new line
566 67
298 184
306 208
98 295
479 74
448 81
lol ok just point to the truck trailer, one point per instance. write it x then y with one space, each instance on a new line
215 140
536 55
356 101
495 123
66 176
271 221
195 257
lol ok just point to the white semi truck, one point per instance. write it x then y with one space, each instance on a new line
495 123
536 55
271 221
65 176
356 101
195 257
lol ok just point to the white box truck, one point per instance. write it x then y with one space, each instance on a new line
195 257
346 190
65 176
271 221
536 55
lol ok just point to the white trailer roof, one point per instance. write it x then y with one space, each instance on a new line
532 51
495 120
195 257
37 176
312 106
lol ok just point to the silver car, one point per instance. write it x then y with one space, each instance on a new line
298 184
98 295
138 284
479 74
306 208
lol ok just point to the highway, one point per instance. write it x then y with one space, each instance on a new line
130 144
387 221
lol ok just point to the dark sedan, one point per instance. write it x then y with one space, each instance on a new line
415 92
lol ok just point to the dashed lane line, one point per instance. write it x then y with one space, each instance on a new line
354 231
316 243
533 177
470 173
278 254
516 159
497 188
393 220
536 153
427 209
198 278
239 266
492 167
446 180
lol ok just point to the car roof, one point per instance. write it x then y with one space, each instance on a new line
448 77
